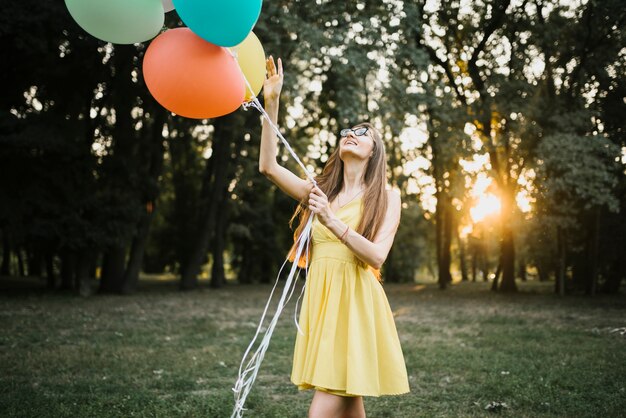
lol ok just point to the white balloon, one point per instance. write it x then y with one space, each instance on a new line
168 6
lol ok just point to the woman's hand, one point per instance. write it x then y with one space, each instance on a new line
273 84
318 203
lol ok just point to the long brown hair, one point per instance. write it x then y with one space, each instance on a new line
374 197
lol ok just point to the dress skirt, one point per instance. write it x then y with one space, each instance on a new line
350 345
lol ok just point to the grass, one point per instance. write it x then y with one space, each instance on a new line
163 353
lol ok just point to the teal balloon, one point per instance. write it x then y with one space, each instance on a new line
221 22
119 21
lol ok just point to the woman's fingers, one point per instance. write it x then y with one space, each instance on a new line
271 68
315 199
318 191
272 65
267 68
318 200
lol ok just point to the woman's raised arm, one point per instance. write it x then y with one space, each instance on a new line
287 181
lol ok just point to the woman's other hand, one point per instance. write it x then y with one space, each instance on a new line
318 203
273 84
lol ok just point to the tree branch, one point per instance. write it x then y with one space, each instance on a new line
494 23
421 42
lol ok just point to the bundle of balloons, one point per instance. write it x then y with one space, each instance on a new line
205 70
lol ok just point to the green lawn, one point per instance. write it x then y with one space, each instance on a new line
163 353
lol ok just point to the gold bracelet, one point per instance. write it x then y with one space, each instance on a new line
344 234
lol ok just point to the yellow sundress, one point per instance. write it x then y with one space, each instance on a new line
350 345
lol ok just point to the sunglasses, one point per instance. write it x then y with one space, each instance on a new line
357 131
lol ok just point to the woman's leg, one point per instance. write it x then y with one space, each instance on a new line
327 405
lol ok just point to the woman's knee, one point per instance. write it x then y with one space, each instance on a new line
326 405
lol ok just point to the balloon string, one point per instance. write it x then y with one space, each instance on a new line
247 375
254 102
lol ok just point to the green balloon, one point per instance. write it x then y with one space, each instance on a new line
119 21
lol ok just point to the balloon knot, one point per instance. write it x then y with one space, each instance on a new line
247 105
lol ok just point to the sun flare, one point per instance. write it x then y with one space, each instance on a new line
486 206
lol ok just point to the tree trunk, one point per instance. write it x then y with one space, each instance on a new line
447 240
543 271
615 275
113 267
593 243
50 277
522 269
34 263
496 276
473 245
140 240
614 280
462 260
84 280
580 262
560 267
244 276
5 268
482 260
121 182
218 277
68 267
217 171
508 263
444 233
137 250
439 237
20 262
443 270
580 269
507 244
185 204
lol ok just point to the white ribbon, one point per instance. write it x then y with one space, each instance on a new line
248 373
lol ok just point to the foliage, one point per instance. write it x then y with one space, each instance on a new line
537 86
577 172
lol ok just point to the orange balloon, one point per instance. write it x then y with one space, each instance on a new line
192 77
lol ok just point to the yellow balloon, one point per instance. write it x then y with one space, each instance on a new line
251 59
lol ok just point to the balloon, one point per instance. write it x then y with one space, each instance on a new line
251 59
192 77
168 6
221 22
118 21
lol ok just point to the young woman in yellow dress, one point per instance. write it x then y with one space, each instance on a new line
350 346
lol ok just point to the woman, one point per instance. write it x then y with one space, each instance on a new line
350 347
